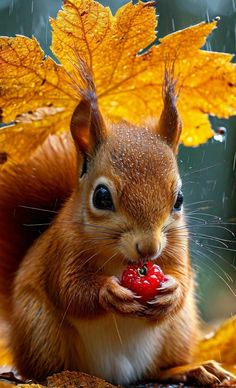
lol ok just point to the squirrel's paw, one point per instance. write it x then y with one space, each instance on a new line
166 300
206 374
113 297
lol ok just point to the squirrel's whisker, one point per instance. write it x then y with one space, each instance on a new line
90 258
197 202
107 261
225 249
201 255
42 224
212 261
205 237
219 256
37 209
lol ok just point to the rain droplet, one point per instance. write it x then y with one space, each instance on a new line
220 134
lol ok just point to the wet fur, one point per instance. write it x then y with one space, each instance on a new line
57 287
44 182
60 291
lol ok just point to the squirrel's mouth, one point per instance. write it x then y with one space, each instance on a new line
128 261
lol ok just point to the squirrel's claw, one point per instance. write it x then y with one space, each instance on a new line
166 301
113 297
167 292
168 286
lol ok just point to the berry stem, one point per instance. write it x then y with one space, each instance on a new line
143 271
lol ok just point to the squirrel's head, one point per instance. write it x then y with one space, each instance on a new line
129 192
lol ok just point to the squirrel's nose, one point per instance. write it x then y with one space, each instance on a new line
147 249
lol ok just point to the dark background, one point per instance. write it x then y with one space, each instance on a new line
208 171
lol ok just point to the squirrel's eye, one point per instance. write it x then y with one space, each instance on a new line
102 198
179 201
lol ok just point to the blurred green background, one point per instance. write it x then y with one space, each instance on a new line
208 171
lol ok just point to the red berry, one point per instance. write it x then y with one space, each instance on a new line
143 280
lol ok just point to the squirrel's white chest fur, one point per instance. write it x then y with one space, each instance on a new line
117 349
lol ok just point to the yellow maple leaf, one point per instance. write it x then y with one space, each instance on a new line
6 358
37 96
34 94
220 346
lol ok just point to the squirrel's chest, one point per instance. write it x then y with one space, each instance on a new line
115 348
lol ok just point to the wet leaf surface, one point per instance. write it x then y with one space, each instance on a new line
38 96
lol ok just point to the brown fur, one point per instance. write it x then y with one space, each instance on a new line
44 182
66 282
56 276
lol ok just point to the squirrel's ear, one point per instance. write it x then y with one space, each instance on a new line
87 126
170 125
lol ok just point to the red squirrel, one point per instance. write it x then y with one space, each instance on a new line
118 200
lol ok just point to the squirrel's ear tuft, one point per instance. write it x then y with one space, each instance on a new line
170 125
87 126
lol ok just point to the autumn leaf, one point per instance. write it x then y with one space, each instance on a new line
34 95
38 96
5 355
220 346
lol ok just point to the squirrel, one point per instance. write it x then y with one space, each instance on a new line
85 205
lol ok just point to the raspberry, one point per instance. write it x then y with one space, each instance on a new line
143 280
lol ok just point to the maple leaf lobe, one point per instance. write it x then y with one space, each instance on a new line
129 84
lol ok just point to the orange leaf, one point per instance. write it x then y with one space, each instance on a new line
38 96
35 94
220 346
29 80
5 355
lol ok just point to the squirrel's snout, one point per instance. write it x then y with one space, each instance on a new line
141 245
148 249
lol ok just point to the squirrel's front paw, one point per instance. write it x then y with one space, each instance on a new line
166 301
113 297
